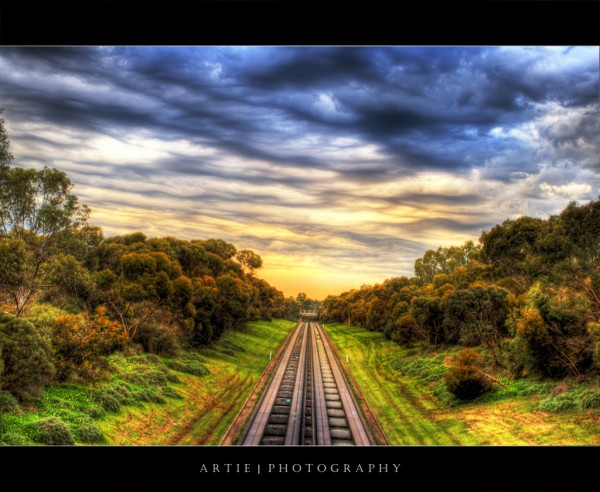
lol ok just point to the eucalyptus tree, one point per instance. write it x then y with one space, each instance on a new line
38 213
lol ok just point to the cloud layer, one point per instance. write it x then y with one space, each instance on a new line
340 166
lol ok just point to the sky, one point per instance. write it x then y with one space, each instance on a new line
340 166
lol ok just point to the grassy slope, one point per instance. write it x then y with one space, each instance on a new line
404 390
210 403
156 405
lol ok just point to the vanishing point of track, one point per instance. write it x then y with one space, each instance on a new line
308 401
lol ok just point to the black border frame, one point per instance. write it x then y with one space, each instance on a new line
295 22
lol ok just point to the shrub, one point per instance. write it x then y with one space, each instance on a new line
590 399
8 403
155 397
1 365
85 431
14 439
150 359
143 395
96 411
107 401
53 431
403 332
169 392
123 396
27 358
560 404
81 342
121 390
157 339
518 358
173 378
43 315
147 376
465 379
189 366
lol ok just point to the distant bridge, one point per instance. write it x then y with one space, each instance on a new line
308 314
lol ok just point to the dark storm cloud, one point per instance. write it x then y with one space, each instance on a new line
305 68
310 134
397 99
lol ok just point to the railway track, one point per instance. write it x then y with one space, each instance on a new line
308 401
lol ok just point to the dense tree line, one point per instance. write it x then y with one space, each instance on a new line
528 293
70 296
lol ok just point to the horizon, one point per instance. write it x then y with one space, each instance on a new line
338 166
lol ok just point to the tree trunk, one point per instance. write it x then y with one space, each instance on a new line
494 380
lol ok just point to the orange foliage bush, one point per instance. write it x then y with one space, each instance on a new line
80 342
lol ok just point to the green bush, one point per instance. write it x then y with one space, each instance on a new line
189 365
96 411
85 431
106 400
169 392
1 365
158 339
14 439
532 388
53 431
8 403
143 395
590 399
518 358
122 391
560 404
145 375
173 378
27 358
156 397
465 379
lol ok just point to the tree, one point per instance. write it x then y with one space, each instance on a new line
37 210
554 327
576 238
219 247
142 286
17 274
249 260
513 249
37 206
444 261
477 315
233 302
205 301
428 315
6 156
70 283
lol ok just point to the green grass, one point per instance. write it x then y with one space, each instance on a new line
405 390
209 403
190 399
